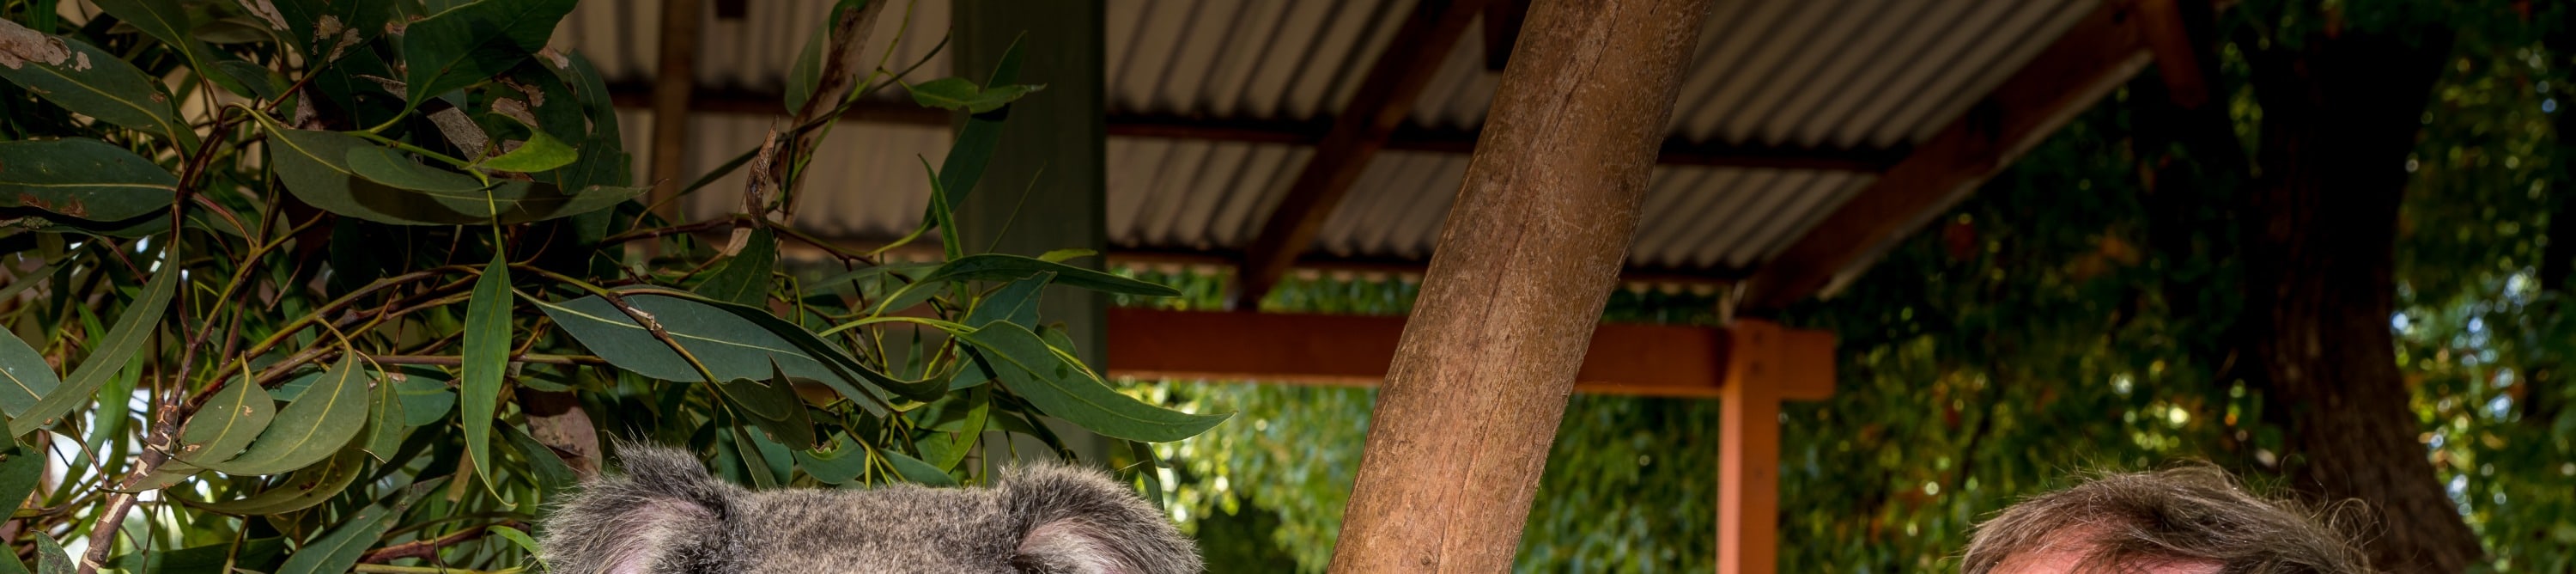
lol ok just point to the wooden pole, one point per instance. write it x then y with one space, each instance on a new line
672 85
1524 265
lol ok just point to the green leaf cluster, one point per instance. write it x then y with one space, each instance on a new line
327 277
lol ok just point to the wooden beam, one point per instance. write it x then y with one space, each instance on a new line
1624 359
2094 56
671 90
1384 98
1675 151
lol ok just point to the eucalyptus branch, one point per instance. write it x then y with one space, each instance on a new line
428 548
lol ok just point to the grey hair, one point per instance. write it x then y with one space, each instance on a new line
2190 514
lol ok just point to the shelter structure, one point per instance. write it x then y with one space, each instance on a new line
1268 138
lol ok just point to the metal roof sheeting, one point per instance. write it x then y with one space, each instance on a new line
1801 73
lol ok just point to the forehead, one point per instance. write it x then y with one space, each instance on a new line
2066 551
896 529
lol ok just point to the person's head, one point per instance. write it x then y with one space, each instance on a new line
2189 520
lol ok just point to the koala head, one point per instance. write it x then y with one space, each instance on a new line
666 515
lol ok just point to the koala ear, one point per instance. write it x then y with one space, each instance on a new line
666 505
1077 521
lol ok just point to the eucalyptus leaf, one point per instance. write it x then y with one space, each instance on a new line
315 166
227 423
963 94
547 468
311 428
486 359
1064 389
205 559
113 351
324 29
425 396
21 468
339 549
735 343
82 178
773 406
540 152
304 489
915 470
385 421
28 376
744 279
839 462
92 82
50 557
167 21
474 42
973 150
1016 302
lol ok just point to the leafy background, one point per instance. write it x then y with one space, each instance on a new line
312 286
2038 331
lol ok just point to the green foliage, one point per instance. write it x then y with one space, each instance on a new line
283 281
2067 318
1266 493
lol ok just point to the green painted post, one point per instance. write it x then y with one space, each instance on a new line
1047 187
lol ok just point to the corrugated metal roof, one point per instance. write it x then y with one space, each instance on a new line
1799 73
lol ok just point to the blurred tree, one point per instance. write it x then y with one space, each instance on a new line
2088 310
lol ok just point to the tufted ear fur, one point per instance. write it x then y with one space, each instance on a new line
1077 521
665 514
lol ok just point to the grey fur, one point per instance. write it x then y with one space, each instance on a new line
666 515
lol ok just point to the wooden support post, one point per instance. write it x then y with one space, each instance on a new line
2094 56
1525 262
672 85
1765 361
1382 102
1047 187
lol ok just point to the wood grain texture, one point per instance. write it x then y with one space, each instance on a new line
1525 262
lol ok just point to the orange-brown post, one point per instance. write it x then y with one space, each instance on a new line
1765 364
1527 258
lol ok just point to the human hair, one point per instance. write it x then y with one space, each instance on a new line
2194 514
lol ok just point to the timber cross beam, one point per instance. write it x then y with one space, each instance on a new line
1750 366
1384 98
2092 58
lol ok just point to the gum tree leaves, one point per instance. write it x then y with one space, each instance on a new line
486 359
82 178
167 21
312 427
962 94
350 176
112 353
81 78
730 341
1059 385
744 279
24 376
465 45
226 423
540 152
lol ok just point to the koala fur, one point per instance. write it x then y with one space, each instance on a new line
667 515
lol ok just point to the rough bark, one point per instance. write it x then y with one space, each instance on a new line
1525 262
2319 229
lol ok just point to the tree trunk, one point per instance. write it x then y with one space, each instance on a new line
1527 258
2320 224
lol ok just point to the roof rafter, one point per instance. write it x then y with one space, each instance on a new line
1410 138
2094 56
1385 97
